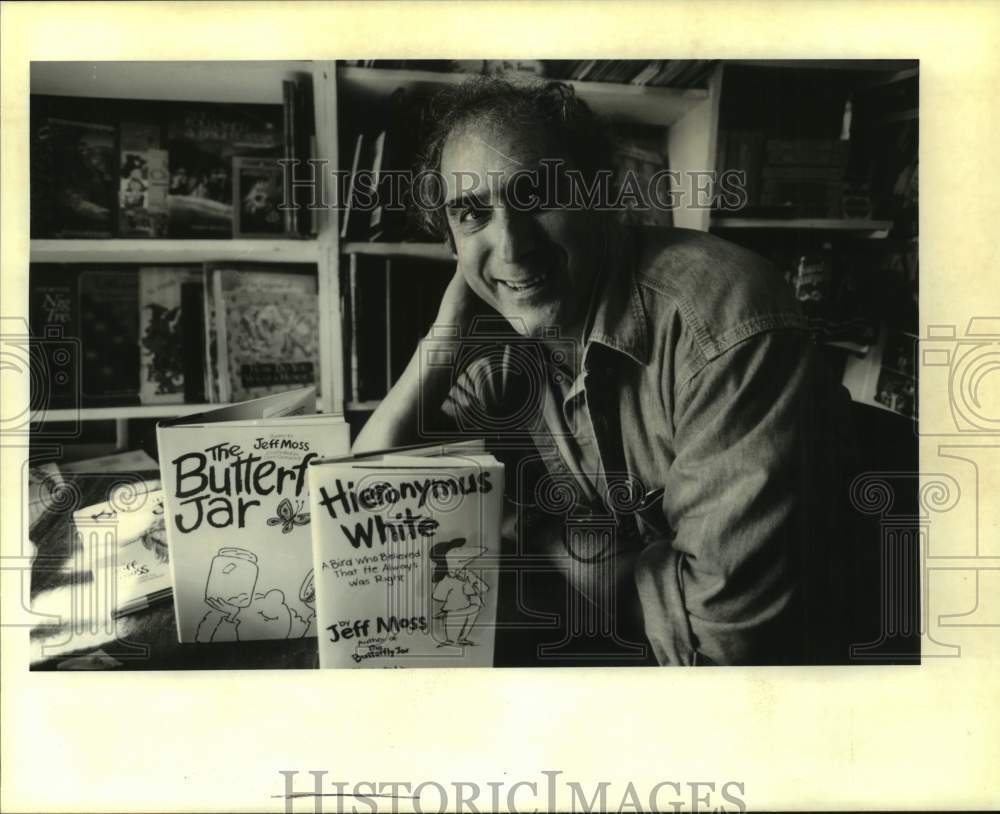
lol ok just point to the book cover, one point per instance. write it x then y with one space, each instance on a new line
258 193
886 376
370 327
123 542
193 339
406 559
109 332
54 320
77 164
350 222
238 518
202 141
267 328
143 181
211 343
161 332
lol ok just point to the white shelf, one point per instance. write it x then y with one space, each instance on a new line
362 406
187 81
424 251
641 104
172 251
129 411
870 228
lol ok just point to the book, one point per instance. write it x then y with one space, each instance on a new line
134 460
75 174
193 339
637 163
202 140
45 482
211 343
267 329
161 332
369 327
405 557
886 376
236 496
349 228
109 335
122 544
258 192
144 180
55 354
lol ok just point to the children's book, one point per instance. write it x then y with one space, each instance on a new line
161 332
238 519
122 545
406 550
267 329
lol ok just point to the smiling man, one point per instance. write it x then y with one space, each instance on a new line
674 385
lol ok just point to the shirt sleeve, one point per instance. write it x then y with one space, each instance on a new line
723 589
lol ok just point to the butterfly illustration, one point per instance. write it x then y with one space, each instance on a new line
288 516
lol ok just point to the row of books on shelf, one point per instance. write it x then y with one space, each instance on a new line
676 73
863 303
120 168
382 159
118 334
386 559
818 178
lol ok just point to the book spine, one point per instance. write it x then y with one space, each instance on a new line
288 110
54 322
109 327
193 340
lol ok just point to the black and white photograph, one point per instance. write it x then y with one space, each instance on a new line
577 406
557 368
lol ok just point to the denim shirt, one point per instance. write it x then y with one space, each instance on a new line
721 438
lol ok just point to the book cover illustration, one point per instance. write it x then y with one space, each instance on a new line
161 340
54 320
143 181
267 328
124 542
405 557
238 521
258 191
109 332
202 141
81 174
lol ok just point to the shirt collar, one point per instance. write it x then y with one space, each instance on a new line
617 318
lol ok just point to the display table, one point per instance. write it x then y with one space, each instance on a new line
542 621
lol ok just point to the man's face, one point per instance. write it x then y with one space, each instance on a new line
536 268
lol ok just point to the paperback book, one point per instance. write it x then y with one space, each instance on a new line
266 329
161 332
122 544
237 505
406 549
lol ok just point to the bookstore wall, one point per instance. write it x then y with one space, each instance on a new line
166 275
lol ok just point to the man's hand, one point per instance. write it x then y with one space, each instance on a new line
460 305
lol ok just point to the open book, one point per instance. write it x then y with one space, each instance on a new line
406 548
122 546
237 510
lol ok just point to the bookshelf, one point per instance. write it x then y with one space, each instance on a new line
423 251
125 250
196 82
686 119
859 227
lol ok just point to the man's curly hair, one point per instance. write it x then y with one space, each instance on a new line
552 108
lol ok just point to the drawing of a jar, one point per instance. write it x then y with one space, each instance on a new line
232 579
